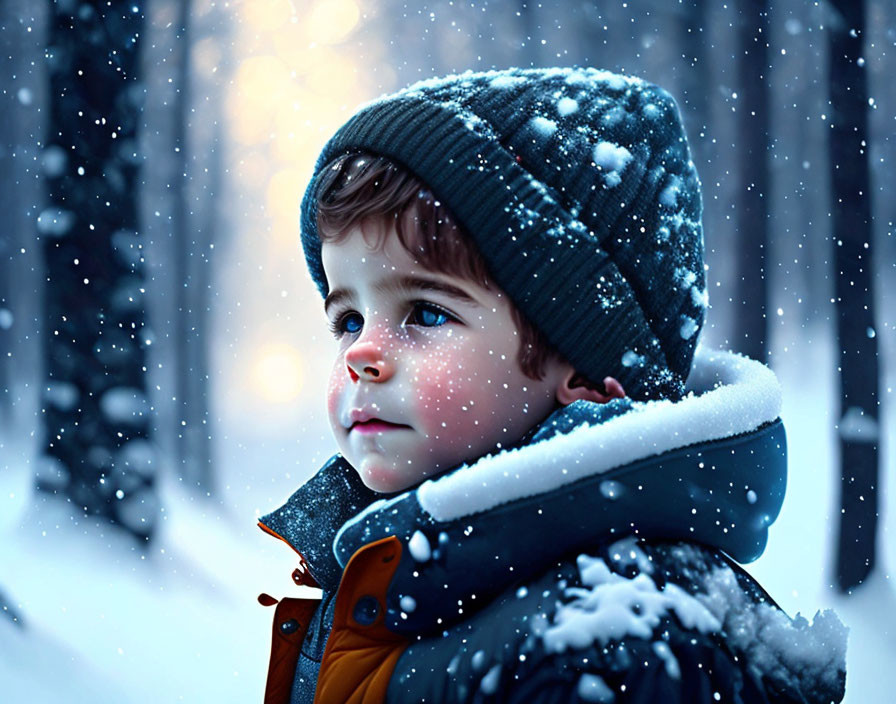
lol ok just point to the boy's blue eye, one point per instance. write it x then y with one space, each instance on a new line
428 315
352 323
349 323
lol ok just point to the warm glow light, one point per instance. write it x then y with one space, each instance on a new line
277 373
286 235
291 45
261 84
331 21
266 15
309 58
297 79
284 193
251 167
337 75
300 129
294 137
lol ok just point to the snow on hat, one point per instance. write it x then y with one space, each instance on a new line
578 189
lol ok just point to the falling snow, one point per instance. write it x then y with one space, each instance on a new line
266 87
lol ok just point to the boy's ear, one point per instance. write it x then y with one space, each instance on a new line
575 387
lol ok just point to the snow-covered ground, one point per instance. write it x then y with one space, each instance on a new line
107 622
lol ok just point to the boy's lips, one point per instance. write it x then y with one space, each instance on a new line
375 425
365 422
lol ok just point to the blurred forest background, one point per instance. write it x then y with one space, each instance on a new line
163 354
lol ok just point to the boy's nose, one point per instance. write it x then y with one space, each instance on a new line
365 360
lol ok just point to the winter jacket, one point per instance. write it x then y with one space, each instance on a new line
592 562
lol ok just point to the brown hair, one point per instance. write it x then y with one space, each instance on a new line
361 188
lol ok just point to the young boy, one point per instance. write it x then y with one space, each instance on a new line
529 504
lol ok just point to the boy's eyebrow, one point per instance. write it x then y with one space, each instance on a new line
404 283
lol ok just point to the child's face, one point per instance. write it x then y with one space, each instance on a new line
436 367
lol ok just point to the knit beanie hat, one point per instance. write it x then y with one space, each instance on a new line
578 189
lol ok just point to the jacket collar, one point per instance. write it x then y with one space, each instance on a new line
587 473
312 516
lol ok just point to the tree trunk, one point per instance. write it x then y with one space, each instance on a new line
852 235
753 209
696 88
23 97
206 234
97 414
191 240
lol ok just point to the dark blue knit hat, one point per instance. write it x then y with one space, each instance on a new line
578 189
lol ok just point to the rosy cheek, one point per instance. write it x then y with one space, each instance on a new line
427 378
335 388
442 387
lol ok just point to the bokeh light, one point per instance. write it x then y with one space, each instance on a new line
284 193
261 83
277 373
302 68
266 15
331 21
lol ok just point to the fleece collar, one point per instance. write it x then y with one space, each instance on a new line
710 468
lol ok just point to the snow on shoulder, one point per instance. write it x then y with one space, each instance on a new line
727 395
611 607
810 657
793 654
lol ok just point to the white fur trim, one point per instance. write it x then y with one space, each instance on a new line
728 394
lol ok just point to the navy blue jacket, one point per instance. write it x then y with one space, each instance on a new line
594 561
